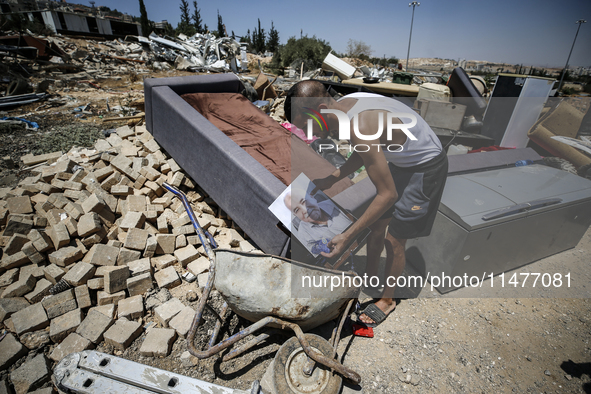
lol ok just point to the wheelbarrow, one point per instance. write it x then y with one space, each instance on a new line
257 287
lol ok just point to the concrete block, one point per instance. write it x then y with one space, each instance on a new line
32 254
161 262
181 241
59 304
104 298
167 278
162 225
15 244
186 255
122 334
17 224
10 351
74 210
132 220
128 255
111 181
140 284
202 279
53 273
136 203
16 260
131 308
20 287
31 375
165 312
94 326
73 343
65 324
41 290
151 246
9 277
102 255
82 296
140 266
20 204
94 203
166 243
89 224
107 310
32 318
96 284
182 321
158 342
136 239
79 274
65 256
59 235
41 240
115 279
199 266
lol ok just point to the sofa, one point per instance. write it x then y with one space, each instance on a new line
236 181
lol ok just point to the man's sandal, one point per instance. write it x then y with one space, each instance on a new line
375 314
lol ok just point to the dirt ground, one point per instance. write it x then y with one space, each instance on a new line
461 342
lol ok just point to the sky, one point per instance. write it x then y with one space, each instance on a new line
529 32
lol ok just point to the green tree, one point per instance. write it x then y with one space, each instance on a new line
258 39
184 25
358 49
144 22
197 21
273 42
311 50
221 30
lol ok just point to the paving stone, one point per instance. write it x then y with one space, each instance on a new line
10 351
8 306
82 296
31 375
15 244
53 273
94 203
186 255
89 224
65 256
17 224
16 260
41 290
115 279
182 321
136 203
107 310
74 210
65 324
72 344
128 255
32 318
166 243
188 360
96 284
101 254
9 277
140 266
104 298
136 239
20 287
79 274
151 246
181 241
165 312
131 308
140 284
161 262
122 333
41 240
32 254
202 279
167 278
59 235
111 181
20 204
158 342
94 326
132 220
199 266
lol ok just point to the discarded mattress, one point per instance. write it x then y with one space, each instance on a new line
242 186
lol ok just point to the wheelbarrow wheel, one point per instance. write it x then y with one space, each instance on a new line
289 364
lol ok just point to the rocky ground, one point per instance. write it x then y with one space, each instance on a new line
460 342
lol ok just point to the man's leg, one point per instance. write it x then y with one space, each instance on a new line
395 261
375 246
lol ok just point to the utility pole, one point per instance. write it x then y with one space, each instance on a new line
579 22
413 5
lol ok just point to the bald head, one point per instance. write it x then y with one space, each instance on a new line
308 89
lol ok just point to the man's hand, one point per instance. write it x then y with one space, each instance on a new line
323 183
337 245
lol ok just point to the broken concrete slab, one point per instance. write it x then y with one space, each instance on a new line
131 308
158 342
182 321
10 351
31 375
165 312
122 333
72 344
94 326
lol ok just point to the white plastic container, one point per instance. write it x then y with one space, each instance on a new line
340 67
434 91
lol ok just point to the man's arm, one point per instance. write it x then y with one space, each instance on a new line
379 173
353 163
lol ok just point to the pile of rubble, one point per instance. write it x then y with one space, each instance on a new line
87 242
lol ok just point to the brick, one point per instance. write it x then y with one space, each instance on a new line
177 179
136 239
82 296
128 255
115 279
199 266
182 321
88 224
41 240
166 243
122 334
31 159
96 284
158 342
151 246
31 269
19 205
186 230
59 235
132 220
71 185
31 375
131 308
53 273
55 216
162 225
94 203
186 255
165 312
17 224
161 262
102 255
167 278
72 226
140 284
11 350
15 244
65 256
103 173
64 325
16 260
181 221
73 343
121 190
79 274
41 290
111 181
94 326
60 303
136 203
104 298
20 287
140 266
32 318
